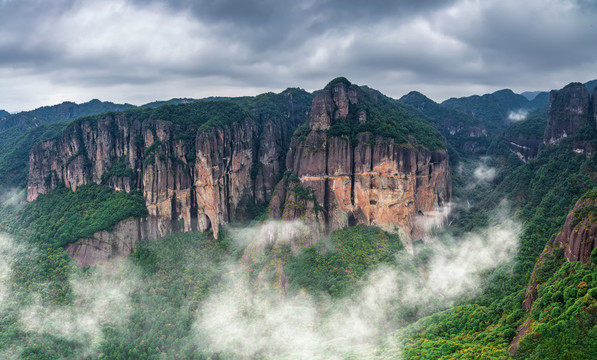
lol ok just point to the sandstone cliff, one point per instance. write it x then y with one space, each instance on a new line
198 165
570 110
341 175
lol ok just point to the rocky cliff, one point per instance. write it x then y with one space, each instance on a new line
579 235
570 110
524 138
577 239
198 165
355 164
575 242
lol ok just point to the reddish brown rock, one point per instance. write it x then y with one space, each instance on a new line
192 178
371 181
579 235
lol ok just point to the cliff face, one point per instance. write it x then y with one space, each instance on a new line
193 176
368 179
570 109
114 243
579 235
577 238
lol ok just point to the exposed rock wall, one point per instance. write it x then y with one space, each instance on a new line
569 110
369 181
577 238
191 178
579 235
117 242
526 148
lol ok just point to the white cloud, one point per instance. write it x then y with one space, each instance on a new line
518 115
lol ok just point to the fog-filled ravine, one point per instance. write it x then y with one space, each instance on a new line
340 224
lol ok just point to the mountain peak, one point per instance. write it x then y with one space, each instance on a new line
336 81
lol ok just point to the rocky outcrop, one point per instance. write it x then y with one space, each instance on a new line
525 148
524 138
338 181
193 176
569 111
464 131
579 235
577 239
117 242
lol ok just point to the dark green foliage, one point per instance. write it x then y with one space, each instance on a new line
177 273
442 117
491 109
462 332
529 129
15 144
64 112
564 315
334 267
388 118
118 170
64 216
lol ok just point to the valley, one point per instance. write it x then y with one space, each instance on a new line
334 224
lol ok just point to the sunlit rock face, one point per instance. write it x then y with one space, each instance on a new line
191 177
368 180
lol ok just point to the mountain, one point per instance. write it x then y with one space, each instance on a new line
174 101
199 165
462 130
493 110
571 111
363 159
203 164
66 111
530 95
255 226
4 113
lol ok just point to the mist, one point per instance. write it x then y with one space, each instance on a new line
247 319
101 296
248 315
518 115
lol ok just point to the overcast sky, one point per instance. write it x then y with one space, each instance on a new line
138 51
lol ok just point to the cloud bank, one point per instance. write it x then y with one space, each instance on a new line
247 319
139 51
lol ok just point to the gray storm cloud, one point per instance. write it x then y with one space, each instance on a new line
53 51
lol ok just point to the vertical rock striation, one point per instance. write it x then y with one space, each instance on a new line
366 178
194 174
570 110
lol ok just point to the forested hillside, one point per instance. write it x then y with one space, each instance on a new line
340 224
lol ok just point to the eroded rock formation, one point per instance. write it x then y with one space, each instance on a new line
368 179
570 110
192 177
